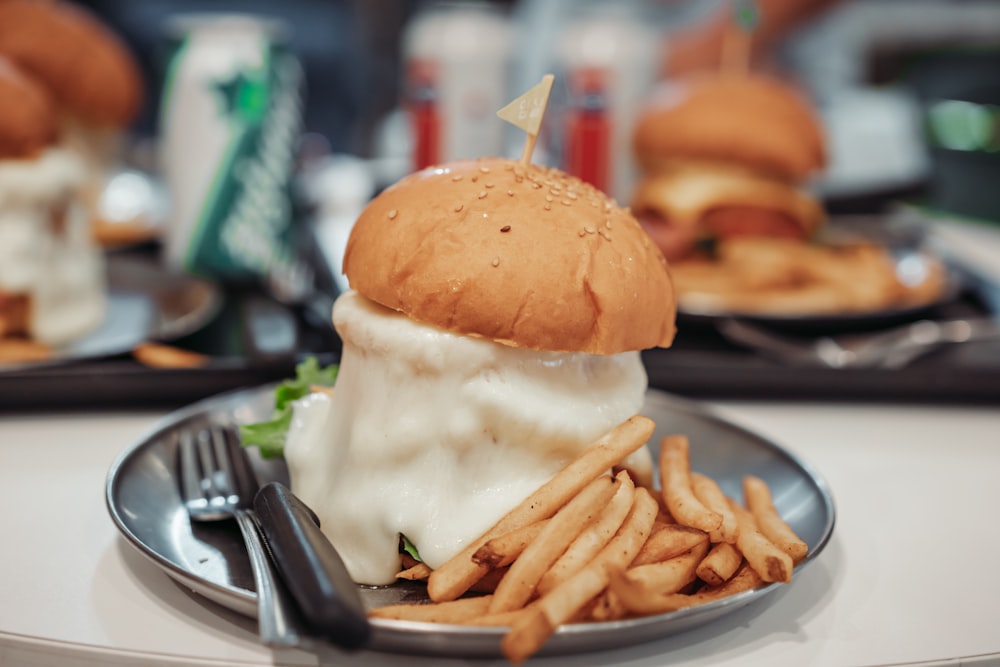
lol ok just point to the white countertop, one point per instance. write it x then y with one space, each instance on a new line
908 577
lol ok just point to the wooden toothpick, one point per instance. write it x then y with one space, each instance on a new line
738 41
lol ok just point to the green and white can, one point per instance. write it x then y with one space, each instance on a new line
230 123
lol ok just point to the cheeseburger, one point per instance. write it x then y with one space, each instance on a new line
51 275
726 156
491 332
92 78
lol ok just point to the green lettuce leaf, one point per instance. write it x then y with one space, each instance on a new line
408 546
270 435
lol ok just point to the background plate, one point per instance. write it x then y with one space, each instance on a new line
145 302
142 498
902 238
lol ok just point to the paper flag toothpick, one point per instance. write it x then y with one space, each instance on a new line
737 43
527 111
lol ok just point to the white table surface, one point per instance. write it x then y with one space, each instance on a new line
910 575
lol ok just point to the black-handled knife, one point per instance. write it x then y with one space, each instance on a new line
311 568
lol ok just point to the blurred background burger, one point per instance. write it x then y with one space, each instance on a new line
725 156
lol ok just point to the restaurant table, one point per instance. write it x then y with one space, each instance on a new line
909 576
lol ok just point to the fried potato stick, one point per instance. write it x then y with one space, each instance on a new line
675 476
607 606
634 596
745 579
593 538
708 492
418 572
456 576
515 589
637 599
504 549
669 576
668 541
770 562
757 496
530 631
489 582
451 612
720 564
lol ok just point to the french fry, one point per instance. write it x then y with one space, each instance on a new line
503 549
158 355
593 538
456 576
667 541
526 635
720 564
770 562
503 619
22 350
636 598
418 572
708 492
550 611
745 579
669 576
607 606
757 496
675 476
451 612
518 586
489 582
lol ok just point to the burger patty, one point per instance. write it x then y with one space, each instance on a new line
677 241
729 221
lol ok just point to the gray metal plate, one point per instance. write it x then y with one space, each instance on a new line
142 498
145 302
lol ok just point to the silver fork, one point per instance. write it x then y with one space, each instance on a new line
892 349
217 483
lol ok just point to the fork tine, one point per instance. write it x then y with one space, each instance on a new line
190 469
209 478
225 478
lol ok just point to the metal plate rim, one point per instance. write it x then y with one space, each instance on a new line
398 636
185 323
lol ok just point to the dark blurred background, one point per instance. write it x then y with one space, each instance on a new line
350 52
881 71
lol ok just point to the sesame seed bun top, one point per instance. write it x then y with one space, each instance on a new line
27 119
522 254
86 68
757 122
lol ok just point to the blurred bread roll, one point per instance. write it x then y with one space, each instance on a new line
27 116
86 68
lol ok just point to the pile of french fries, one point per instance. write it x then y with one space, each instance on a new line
780 276
591 545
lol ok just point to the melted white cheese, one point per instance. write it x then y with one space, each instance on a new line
436 436
63 272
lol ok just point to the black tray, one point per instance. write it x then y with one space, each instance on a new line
703 364
255 339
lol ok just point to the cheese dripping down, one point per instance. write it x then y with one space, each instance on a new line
436 435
